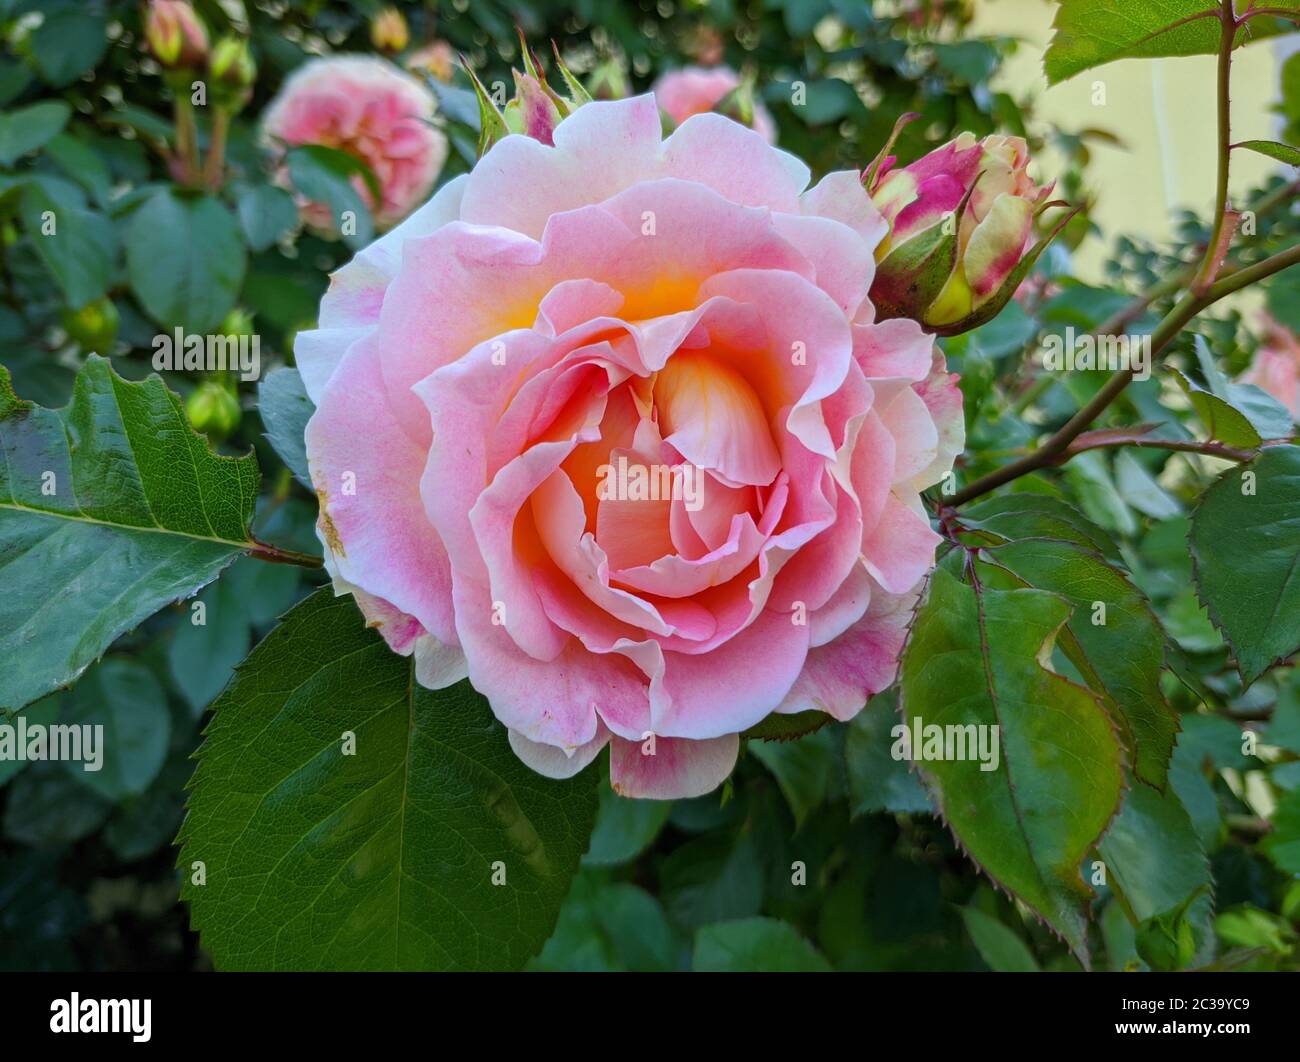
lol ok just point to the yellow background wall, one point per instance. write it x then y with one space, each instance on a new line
1164 112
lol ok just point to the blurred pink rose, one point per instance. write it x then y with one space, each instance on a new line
1276 367
373 111
610 427
696 90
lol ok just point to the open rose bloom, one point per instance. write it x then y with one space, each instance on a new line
498 379
377 114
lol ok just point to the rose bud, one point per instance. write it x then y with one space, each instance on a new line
436 59
176 34
233 70
536 108
94 326
388 30
213 409
961 226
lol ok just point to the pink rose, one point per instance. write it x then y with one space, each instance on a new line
499 379
696 90
373 111
1276 366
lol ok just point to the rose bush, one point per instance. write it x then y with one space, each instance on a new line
686 300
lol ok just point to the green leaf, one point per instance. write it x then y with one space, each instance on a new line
757 945
624 828
998 945
1284 153
68 42
1240 415
123 697
1152 854
109 509
1245 541
47 807
382 857
44 712
1283 844
714 877
877 781
803 769
325 175
202 656
27 128
1113 636
185 260
1092 32
976 656
78 246
285 408
265 213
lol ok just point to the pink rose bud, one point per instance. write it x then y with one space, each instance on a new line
176 34
694 90
961 227
1276 366
536 108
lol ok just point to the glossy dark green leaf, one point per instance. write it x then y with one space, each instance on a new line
265 213
185 260
78 246
624 828
321 855
109 509
285 408
27 128
326 175
713 877
1245 541
975 657
998 944
755 945
878 781
121 696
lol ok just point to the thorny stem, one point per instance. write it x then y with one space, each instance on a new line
1101 439
1207 288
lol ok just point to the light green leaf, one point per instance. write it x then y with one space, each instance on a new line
1245 541
1283 844
757 945
381 857
975 657
1092 32
1284 153
109 509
